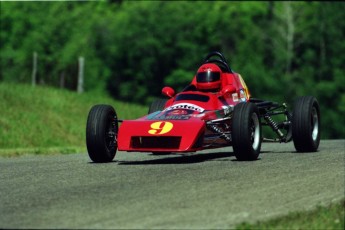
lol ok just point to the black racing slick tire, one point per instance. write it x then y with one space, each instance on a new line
246 131
157 105
101 133
306 124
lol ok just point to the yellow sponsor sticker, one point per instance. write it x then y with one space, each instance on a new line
160 127
247 94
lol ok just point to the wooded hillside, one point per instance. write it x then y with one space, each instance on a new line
134 48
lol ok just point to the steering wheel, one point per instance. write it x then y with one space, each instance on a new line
222 63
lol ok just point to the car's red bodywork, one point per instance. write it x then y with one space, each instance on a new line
214 110
181 126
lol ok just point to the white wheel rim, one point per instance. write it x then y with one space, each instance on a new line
314 124
255 131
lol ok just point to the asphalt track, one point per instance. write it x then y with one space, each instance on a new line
208 190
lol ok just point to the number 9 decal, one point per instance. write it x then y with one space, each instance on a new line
160 127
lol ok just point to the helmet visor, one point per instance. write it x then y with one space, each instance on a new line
208 76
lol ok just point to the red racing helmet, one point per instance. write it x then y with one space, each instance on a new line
208 77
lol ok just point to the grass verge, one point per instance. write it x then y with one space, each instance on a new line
41 151
323 217
44 119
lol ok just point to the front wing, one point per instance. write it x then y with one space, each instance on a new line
161 136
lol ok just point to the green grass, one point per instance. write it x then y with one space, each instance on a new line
13 152
43 119
330 217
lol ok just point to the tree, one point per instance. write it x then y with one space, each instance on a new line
133 49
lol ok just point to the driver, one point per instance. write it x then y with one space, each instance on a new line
208 78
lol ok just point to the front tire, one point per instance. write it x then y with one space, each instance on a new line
246 132
306 124
101 133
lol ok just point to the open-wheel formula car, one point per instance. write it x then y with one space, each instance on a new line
214 110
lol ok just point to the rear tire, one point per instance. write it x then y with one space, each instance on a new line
157 105
101 133
306 124
246 131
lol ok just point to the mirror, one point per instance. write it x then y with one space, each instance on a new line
168 91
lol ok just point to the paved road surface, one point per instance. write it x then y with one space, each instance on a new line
195 191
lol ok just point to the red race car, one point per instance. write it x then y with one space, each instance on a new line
215 110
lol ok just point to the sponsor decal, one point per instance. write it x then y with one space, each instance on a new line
242 95
247 94
235 97
227 109
172 117
169 117
160 127
185 106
